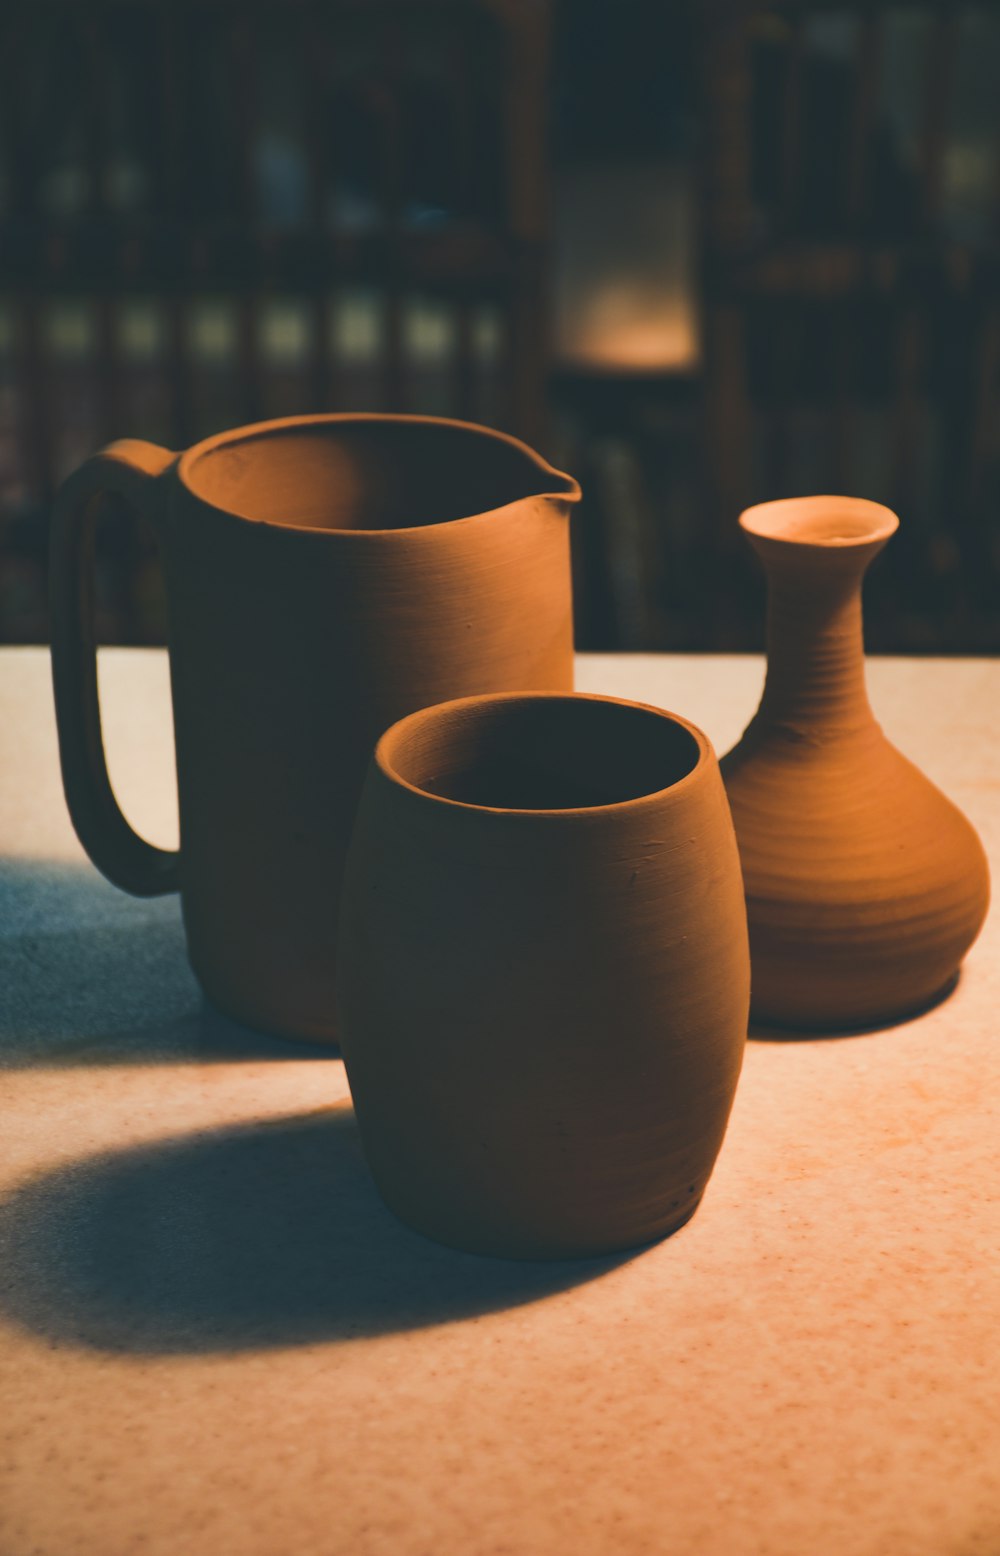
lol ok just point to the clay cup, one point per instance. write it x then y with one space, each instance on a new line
544 974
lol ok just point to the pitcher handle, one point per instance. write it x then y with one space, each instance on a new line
128 469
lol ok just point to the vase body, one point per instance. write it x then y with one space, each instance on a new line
865 884
325 575
545 975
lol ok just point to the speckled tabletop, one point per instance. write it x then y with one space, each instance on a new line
216 1342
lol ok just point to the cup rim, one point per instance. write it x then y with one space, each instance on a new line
260 430
383 755
791 521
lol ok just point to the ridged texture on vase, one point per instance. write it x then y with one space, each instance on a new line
543 1010
865 884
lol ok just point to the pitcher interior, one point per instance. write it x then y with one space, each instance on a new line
543 753
367 474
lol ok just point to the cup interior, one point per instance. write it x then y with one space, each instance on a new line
542 753
367 473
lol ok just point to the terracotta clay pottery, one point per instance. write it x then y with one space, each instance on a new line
865 885
544 972
325 575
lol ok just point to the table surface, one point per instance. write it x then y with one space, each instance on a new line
217 1342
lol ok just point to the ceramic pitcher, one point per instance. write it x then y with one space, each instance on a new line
545 975
325 575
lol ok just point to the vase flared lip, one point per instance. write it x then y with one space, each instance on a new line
834 523
565 488
388 747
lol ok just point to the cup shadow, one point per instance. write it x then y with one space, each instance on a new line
92 976
245 1238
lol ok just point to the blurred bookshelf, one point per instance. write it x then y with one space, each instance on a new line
835 240
701 254
217 213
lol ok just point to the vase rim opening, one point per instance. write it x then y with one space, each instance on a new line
543 754
826 521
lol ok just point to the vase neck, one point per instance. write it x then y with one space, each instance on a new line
815 645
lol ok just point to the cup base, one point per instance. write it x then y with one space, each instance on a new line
537 1250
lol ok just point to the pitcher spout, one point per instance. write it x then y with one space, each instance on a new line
547 483
565 489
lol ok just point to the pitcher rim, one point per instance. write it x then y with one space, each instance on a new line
261 429
383 759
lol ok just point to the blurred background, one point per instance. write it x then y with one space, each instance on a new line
701 253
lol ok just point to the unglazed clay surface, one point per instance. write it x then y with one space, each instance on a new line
865 884
325 575
544 977
216 1341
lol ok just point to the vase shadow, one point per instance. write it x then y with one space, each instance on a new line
771 1032
246 1238
92 976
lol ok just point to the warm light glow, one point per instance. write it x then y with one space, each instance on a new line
629 325
624 270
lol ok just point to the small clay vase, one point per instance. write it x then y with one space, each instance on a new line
865 885
325 575
544 972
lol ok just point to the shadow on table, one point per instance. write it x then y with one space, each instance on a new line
245 1238
91 976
